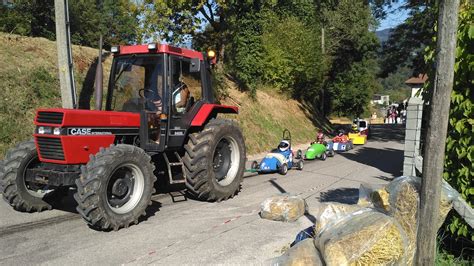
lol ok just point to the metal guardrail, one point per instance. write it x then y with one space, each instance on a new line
459 204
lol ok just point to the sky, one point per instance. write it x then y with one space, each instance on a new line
395 16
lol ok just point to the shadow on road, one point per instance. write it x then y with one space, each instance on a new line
341 195
386 160
387 132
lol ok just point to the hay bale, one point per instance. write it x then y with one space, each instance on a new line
405 202
302 254
365 237
374 197
283 207
327 213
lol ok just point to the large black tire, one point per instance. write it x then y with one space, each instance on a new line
23 196
214 161
115 187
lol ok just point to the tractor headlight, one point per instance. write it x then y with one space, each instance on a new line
115 49
41 130
152 46
57 131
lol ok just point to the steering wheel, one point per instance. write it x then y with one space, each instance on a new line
149 104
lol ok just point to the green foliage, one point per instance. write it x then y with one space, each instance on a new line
246 50
408 40
352 90
352 47
116 20
459 160
293 60
394 85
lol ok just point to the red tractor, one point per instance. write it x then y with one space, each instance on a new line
159 110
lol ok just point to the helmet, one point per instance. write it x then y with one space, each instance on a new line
354 127
284 145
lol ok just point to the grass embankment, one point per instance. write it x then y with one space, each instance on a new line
264 119
29 80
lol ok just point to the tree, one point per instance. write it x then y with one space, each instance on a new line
407 41
116 20
459 159
351 48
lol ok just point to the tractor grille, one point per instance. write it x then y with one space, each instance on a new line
50 148
50 117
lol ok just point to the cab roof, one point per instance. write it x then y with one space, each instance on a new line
160 48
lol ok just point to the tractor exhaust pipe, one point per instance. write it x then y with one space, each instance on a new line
99 76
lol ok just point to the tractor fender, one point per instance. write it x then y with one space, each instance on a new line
209 110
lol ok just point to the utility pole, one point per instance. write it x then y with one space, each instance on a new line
63 42
433 159
323 52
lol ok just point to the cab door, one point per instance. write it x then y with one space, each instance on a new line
186 97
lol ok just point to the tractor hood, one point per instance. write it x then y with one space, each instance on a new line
85 118
69 136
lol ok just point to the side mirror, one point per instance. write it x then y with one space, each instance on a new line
195 65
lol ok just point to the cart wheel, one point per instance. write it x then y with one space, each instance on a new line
323 156
283 169
299 154
300 165
254 165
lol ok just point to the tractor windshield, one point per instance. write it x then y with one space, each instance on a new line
136 83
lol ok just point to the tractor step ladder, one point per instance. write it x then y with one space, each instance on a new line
169 165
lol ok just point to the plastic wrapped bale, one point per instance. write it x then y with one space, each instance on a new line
365 237
404 204
374 196
328 213
302 254
448 196
283 207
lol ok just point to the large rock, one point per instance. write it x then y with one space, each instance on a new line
283 207
302 254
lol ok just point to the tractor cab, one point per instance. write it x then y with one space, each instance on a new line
166 85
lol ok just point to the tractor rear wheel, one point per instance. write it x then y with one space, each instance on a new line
115 187
214 161
22 195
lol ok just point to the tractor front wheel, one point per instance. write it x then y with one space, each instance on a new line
115 187
22 195
214 161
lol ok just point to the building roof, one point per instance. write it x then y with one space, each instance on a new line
417 80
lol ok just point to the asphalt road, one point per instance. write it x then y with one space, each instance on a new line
178 231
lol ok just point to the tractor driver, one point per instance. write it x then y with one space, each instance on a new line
154 104
182 95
